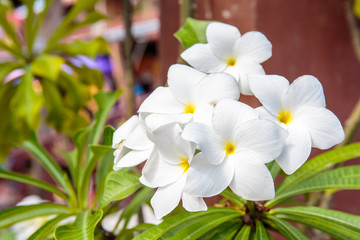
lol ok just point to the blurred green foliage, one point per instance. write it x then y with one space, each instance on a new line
50 83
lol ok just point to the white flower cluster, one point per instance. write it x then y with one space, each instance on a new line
198 139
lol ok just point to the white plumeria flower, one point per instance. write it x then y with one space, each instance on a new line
131 143
227 51
190 92
234 153
300 109
167 170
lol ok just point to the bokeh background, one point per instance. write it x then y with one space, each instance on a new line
316 37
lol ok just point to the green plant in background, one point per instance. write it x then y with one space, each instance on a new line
48 76
75 190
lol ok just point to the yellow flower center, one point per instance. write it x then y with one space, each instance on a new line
189 108
285 117
185 164
229 148
231 62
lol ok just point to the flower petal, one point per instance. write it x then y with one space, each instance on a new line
262 137
228 115
201 180
222 38
201 57
270 90
253 46
159 173
203 114
124 130
240 72
182 81
216 86
167 198
305 91
138 139
171 145
324 127
130 158
210 144
161 101
193 204
297 149
252 180
154 121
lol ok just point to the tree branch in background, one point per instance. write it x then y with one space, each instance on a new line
129 70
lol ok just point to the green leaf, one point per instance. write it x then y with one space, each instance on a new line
31 181
47 66
47 229
26 103
340 178
337 224
261 233
13 50
82 229
119 185
105 102
140 198
88 48
225 231
202 225
194 31
183 220
29 21
34 147
286 229
20 213
274 169
7 235
237 200
318 164
8 27
98 151
244 233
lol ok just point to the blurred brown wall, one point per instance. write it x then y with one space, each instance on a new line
308 37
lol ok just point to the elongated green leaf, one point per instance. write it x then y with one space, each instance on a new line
98 151
11 49
82 229
119 185
177 221
237 200
8 27
7 235
47 229
194 31
286 229
318 164
274 169
244 233
29 21
26 103
105 102
89 48
47 66
337 224
261 233
203 225
34 147
140 198
20 213
341 178
31 181
225 231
